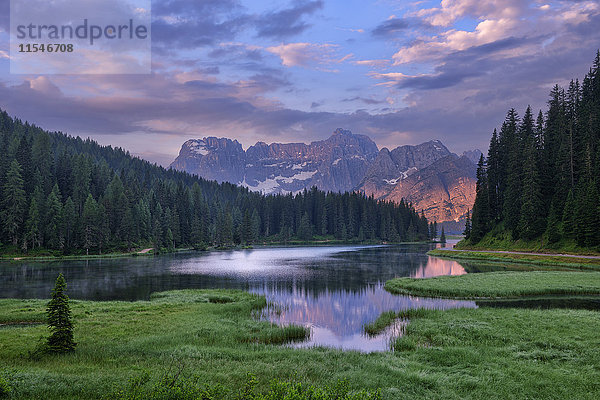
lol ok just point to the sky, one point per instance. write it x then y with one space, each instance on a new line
401 72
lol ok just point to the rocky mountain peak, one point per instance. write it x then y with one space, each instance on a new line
428 174
473 155
341 131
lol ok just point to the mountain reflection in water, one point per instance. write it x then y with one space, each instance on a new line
334 290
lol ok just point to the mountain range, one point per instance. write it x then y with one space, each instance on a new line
428 175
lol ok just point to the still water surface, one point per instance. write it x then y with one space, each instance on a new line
333 290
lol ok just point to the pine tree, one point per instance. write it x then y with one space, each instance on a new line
532 222
69 222
568 216
305 228
255 225
443 236
493 177
246 229
481 217
33 235
53 220
90 224
60 321
553 227
467 231
13 202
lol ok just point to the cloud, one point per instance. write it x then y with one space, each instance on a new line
183 24
303 54
497 20
390 26
433 48
365 100
356 30
452 10
4 15
287 22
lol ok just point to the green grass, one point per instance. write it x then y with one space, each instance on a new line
500 239
556 262
504 284
211 337
507 353
380 324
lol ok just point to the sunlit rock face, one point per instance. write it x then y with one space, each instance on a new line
444 190
439 183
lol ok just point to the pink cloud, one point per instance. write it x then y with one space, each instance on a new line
303 54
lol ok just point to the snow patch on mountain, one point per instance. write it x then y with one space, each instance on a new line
302 176
197 147
403 175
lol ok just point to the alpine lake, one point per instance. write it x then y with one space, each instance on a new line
333 290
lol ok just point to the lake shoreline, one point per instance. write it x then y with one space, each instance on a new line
274 245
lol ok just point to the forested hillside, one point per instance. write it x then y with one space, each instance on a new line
70 195
541 179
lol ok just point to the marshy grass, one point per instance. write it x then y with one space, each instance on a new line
382 322
279 335
504 284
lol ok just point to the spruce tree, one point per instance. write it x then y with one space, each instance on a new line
493 177
305 229
481 216
467 231
553 227
568 217
13 202
33 235
60 321
512 169
531 223
90 224
443 236
53 220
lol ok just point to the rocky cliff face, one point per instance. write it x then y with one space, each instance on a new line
391 167
428 175
473 155
222 159
443 190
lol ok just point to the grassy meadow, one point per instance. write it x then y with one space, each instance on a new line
210 338
502 284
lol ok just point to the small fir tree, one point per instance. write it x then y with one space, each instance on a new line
467 231
60 321
443 236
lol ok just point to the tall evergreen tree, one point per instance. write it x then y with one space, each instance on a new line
53 220
60 320
480 219
532 222
13 202
467 231
33 235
